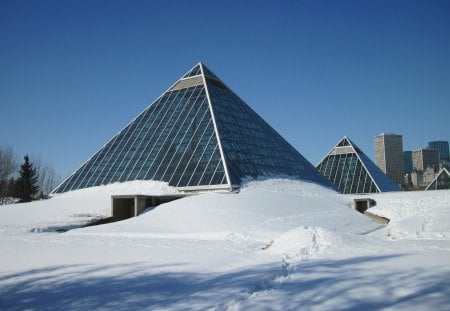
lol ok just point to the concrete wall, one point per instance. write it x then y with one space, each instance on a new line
126 206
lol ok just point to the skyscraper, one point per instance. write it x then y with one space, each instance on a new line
426 158
408 162
389 156
198 135
351 171
443 148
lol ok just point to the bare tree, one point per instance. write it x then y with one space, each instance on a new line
8 166
47 177
8 162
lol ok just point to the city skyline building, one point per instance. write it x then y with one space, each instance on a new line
389 156
351 171
443 147
198 135
425 158
421 179
407 162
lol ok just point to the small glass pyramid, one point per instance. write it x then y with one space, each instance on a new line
351 171
441 181
198 135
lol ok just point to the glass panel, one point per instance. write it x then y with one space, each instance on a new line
173 140
193 72
209 73
344 143
251 147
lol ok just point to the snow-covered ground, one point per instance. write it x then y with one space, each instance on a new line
277 245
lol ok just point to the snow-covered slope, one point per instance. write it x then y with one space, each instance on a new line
416 215
72 208
277 245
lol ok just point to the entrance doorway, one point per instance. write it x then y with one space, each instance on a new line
127 206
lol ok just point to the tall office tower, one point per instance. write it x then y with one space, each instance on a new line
443 148
425 158
389 156
408 162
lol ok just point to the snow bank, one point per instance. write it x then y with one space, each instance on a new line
73 208
277 245
262 210
415 215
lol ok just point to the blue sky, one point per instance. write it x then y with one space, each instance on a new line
74 73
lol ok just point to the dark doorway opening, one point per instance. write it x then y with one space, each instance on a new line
362 205
127 206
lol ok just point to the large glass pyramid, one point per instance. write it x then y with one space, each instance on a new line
197 135
351 171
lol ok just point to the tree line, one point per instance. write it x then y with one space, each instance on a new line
31 180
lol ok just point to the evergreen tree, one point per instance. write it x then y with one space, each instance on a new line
27 183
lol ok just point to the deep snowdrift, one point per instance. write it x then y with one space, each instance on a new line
277 245
72 208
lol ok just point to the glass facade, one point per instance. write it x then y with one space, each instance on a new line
196 134
408 162
251 147
351 171
443 148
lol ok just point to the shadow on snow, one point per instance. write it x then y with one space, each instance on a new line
320 284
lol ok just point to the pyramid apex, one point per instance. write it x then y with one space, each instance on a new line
200 69
344 142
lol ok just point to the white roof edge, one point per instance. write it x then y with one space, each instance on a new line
213 117
206 187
